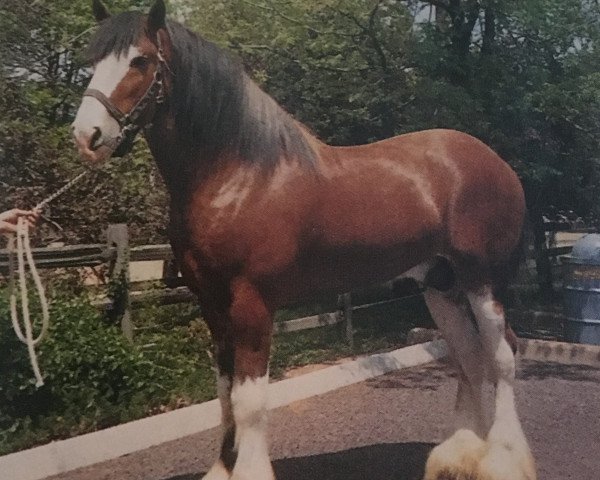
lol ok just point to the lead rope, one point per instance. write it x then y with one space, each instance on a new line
24 255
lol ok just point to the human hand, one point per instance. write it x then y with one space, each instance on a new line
10 218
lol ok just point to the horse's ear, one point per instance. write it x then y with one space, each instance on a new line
100 11
157 16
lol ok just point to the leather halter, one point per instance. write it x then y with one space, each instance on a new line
129 122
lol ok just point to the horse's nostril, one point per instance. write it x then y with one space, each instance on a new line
94 139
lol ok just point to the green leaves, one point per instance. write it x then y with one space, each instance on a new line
94 377
42 77
523 79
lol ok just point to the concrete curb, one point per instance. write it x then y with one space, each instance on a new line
560 352
65 455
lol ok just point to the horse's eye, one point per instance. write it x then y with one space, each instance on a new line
141 63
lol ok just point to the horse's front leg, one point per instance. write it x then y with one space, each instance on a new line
224 353
243 359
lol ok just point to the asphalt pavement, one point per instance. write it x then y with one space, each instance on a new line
383 429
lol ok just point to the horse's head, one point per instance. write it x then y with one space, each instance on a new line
128 55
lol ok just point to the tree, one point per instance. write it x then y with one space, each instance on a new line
529 76
338 66
522 76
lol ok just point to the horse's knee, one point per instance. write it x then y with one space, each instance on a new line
511 338
251 331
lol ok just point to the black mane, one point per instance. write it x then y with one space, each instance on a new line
217 106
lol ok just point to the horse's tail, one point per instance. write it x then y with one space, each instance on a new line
504 273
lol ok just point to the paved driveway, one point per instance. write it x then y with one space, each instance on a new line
383 429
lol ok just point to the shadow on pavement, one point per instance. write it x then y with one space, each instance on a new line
396 461
543 370
399 461
427 377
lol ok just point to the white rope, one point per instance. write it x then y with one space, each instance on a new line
60 191
23 250
25 255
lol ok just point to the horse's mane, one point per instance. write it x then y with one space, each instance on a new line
217 106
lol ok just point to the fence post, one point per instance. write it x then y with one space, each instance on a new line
118 288
345 306
542 261
170 274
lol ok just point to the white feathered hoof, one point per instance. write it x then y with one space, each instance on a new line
244 476
261 471
457 458
505 462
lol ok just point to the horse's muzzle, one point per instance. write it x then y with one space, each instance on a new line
91 152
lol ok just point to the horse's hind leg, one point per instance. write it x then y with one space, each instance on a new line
508 456
458 456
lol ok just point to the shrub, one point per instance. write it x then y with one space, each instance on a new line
93 376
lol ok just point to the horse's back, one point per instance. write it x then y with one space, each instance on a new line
433 183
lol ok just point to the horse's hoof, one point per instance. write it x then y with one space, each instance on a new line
504 462
217 472
457 458
253 472
238 476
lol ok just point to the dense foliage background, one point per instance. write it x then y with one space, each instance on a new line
522 76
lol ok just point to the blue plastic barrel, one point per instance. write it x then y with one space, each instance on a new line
582 292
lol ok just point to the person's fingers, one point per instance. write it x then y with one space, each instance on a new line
17 212
12 215
6 227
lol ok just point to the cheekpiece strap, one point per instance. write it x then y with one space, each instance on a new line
117 114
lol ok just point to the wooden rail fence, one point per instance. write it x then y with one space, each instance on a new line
117 254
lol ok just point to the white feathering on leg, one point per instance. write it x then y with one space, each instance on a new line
249 402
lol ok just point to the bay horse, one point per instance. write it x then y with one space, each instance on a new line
263 214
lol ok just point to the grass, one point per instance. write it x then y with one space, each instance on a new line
173 347
169 365
377 328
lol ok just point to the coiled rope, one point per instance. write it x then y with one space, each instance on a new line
19 246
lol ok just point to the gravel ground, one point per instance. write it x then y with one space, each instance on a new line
384 428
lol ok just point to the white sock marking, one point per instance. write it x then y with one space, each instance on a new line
249 401
492 327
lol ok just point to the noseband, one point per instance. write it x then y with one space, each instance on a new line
130 123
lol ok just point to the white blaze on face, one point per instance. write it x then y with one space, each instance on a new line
92 115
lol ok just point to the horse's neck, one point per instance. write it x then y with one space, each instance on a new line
265 135
172 158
